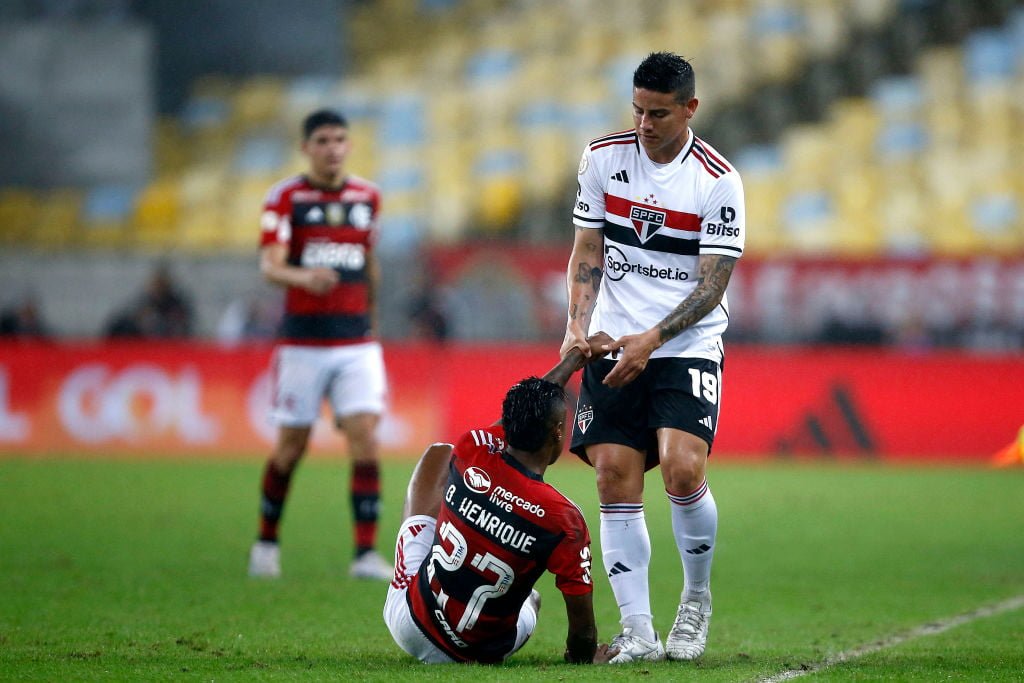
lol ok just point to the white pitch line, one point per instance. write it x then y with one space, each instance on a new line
930 629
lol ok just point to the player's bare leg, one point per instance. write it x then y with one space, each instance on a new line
265 554
694 524
626 548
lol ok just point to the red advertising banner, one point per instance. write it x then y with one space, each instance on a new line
912 301
173 399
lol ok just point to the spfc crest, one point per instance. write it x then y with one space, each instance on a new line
646 221
584 417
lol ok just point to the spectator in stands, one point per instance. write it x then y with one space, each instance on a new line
427 316
253 317
23 319
163 311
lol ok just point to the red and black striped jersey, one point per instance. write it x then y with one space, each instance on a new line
500 527
330 228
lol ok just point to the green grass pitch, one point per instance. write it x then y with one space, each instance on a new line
116 570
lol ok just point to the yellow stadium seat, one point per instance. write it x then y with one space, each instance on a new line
202 230
17 210
258 102
56 221
156 214
499 203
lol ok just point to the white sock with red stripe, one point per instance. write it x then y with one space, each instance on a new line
626 551
695 523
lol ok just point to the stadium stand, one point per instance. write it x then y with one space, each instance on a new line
471 115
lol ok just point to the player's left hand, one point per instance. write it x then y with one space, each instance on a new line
634 350
604 654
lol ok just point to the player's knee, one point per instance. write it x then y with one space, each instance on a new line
615 484
361 433
683 474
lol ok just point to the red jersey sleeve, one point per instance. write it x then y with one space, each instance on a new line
275 220
571 560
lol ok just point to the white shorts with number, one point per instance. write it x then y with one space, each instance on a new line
350 377
415 540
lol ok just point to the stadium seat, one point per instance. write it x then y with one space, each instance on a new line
155 219
56 221
17 209
105 214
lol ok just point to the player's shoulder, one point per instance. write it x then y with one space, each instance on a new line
713 162
611 143
360 184
565 512
490 439
284 187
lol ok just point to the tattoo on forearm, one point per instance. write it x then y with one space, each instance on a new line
712 280
587 273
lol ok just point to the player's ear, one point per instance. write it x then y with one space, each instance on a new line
691 107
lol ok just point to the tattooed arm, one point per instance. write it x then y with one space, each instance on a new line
635 350
583 277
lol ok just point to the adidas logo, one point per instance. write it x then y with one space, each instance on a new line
619 568
621 176
706 421
699 550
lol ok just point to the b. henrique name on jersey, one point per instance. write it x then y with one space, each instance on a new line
500 527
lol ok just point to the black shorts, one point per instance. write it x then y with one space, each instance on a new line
681 393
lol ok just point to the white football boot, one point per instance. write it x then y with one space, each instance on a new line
689 635
370 565
265 560
633 648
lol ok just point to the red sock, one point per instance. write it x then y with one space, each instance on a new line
365 504
274 491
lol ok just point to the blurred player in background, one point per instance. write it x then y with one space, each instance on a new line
318 234
480 528
659 224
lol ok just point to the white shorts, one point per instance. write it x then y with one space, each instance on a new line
414 543
350 377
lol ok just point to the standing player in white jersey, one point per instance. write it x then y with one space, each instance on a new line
659 224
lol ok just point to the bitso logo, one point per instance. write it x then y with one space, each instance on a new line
646 221
477 480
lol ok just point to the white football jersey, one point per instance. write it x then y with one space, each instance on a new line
657 219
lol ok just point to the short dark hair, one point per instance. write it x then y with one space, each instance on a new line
532 407
666 72
322 117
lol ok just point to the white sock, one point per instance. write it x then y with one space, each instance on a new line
626 551
695 523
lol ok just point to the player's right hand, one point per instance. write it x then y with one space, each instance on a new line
575 337
597 342
319 281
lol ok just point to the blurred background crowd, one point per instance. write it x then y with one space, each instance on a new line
880 144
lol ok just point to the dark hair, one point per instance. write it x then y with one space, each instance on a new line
322 117
532 407
666 72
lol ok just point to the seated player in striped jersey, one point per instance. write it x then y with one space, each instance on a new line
480 528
